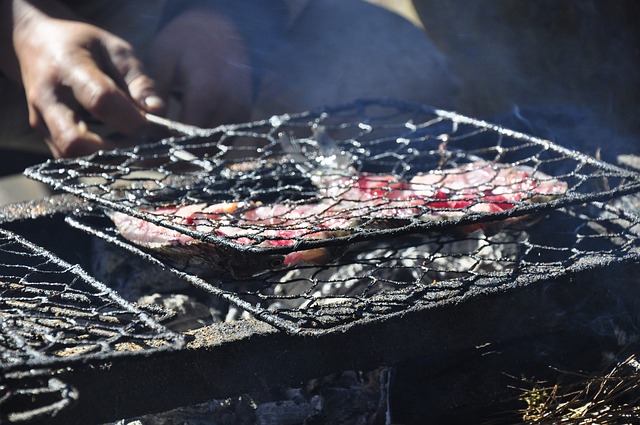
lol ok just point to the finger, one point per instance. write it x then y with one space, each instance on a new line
128 73
103 99
67 136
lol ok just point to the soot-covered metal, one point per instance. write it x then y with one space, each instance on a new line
369 246
397 262
53 314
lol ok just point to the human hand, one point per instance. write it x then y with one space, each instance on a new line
69 68
202 57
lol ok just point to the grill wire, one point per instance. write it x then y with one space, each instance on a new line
246 164
374 280
382 268
54 312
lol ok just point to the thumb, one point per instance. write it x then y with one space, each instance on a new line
142 90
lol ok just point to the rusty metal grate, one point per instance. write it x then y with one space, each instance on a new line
52 313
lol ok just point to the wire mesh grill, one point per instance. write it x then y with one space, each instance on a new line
34 396
364 171
358 211
53 310
376 279
53 313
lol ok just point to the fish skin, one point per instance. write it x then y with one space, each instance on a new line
208 260
492 182
488 187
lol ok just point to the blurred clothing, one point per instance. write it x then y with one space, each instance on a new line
304 54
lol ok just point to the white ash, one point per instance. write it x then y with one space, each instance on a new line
190 313
381 266
235 313
630 161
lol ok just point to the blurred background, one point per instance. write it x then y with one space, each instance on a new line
565 70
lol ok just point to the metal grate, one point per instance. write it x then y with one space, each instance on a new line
390 251
374 280
51 314
351 173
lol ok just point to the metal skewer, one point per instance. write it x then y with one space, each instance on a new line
186 129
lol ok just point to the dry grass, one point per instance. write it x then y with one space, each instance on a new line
609 398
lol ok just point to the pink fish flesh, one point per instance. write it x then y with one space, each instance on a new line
364 200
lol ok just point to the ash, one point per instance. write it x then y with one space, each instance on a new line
374 268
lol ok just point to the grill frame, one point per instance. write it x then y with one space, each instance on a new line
377 308
64 174
80 321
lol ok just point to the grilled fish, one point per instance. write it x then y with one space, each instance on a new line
268 228
347 201
363 200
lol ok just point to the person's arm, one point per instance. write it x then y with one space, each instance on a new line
69 68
